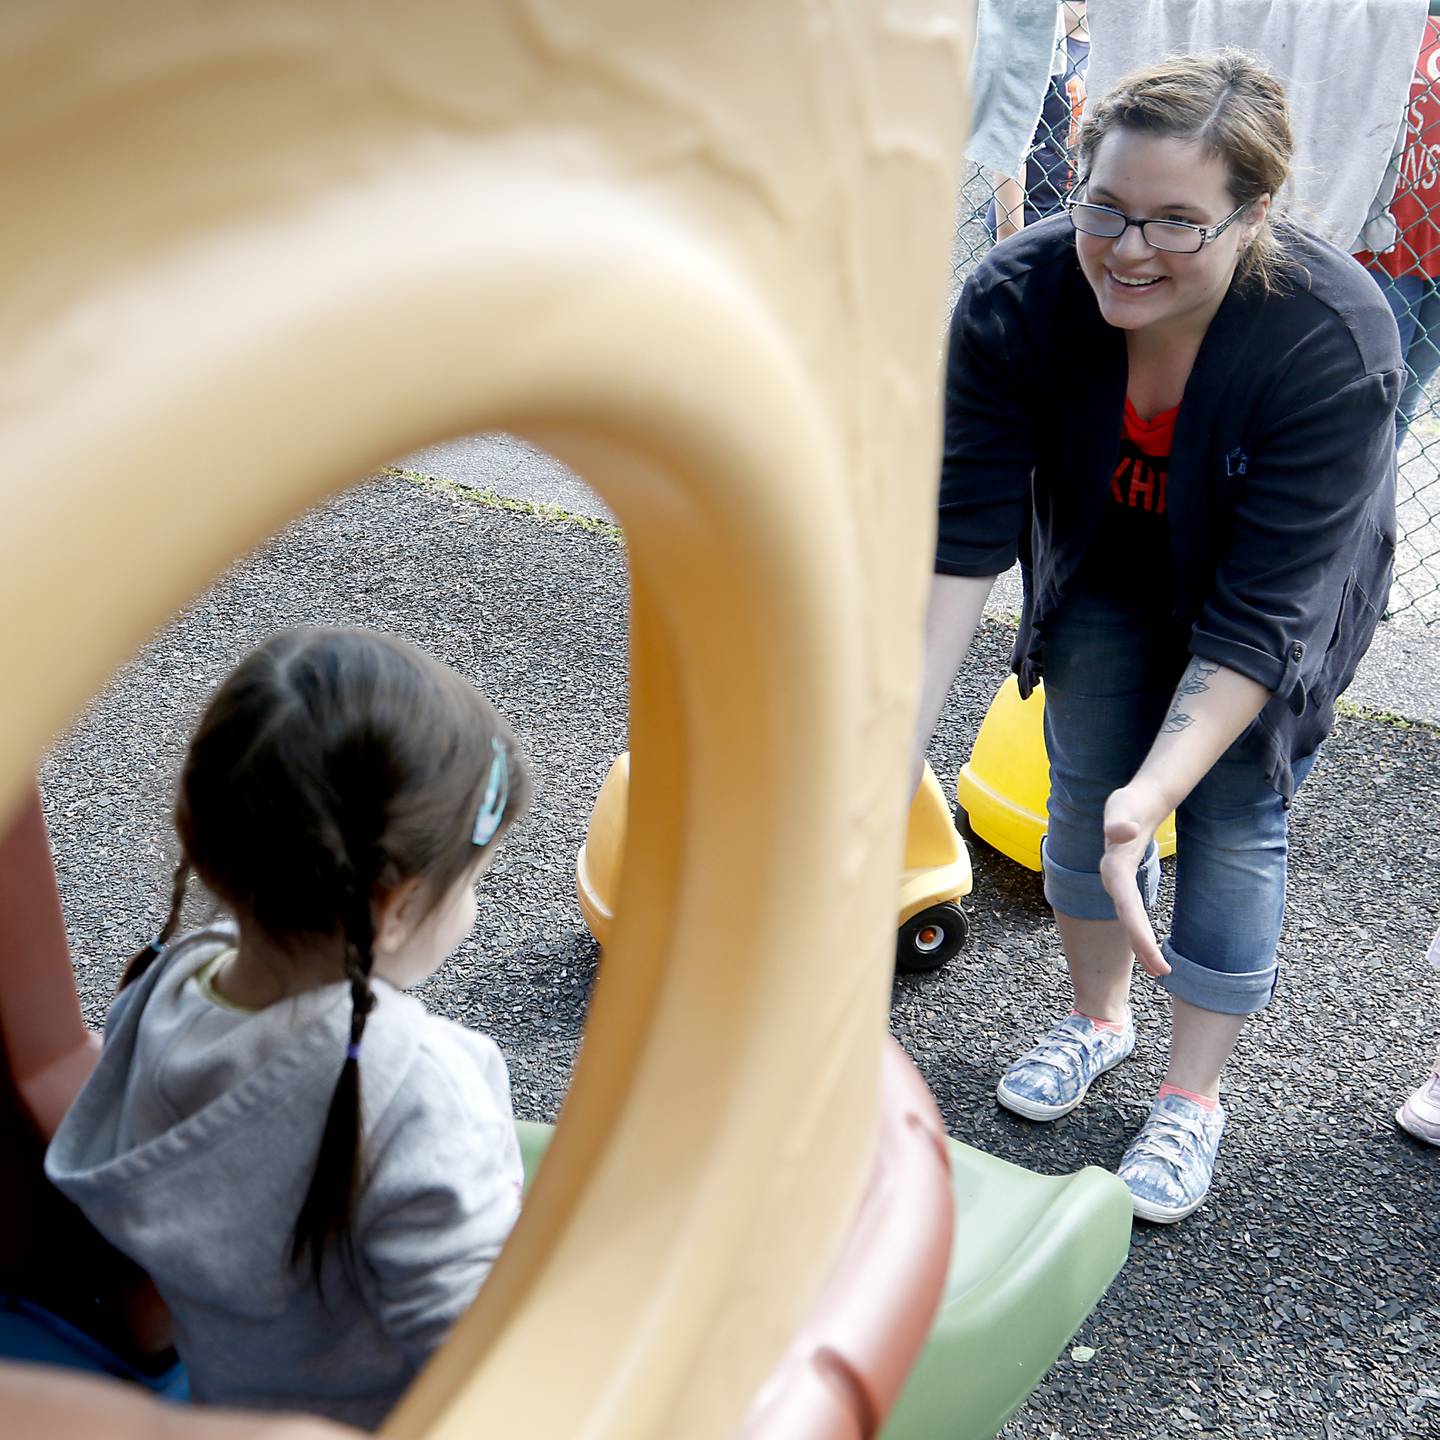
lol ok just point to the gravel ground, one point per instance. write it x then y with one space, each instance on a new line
1301 1302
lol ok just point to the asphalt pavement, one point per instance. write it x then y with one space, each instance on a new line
1301 1302
1399 676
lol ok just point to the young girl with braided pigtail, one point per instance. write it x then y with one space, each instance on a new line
317 1173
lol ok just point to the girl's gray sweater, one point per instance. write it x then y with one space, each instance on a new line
191 1148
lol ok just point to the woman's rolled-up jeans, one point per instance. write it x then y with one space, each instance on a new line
1110 674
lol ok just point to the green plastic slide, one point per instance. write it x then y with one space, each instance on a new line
1031 1257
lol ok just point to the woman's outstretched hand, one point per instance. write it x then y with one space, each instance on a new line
1130 825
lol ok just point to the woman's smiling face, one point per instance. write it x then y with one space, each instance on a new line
1160 177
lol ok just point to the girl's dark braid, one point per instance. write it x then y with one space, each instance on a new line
359 959
324 1217
142 960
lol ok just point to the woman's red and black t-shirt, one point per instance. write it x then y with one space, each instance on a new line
1131 548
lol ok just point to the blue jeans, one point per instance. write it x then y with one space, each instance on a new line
1110 674
1414 300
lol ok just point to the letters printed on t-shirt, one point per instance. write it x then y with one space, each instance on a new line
1143 466
1139 480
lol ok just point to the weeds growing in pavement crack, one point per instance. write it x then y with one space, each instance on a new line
536 509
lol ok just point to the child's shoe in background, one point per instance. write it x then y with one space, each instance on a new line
1420 1114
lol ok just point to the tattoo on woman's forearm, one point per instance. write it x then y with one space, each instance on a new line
1197 674
1195 681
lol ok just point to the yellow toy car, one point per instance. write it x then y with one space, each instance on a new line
1004 786
935 878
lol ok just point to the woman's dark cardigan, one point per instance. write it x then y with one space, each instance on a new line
1281 490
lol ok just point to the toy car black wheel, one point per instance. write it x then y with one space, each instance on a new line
927 940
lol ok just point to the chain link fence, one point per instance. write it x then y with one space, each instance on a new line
1407 272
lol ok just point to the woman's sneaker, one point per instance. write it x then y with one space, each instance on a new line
1169 1164
1053 1078
1420 1114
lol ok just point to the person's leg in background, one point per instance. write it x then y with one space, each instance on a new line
1422 352
1405 295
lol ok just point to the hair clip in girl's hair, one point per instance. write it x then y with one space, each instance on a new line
352 1050
497 792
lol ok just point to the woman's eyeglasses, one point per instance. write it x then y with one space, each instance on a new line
1179 237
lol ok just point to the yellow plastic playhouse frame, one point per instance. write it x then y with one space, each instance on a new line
696 251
